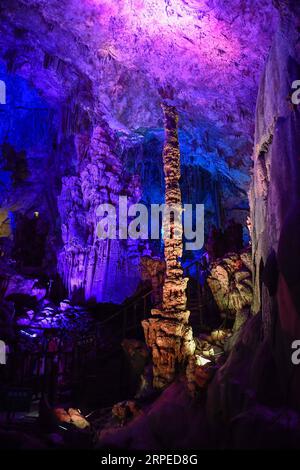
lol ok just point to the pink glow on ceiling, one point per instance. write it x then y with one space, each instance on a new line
181 31
210 51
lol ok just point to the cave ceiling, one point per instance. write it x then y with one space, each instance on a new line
115 57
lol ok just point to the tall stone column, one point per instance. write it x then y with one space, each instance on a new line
167 332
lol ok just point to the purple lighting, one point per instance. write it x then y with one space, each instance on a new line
149 227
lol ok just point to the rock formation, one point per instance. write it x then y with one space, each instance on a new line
82 118
153 270
230 280
168 333
275 185
94 269
275 199
259 382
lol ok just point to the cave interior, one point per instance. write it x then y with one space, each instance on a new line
142 342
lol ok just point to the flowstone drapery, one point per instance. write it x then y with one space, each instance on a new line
91 268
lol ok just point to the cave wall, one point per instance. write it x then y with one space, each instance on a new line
36 149
83 70
207 173
27 130
93 269
258 386
275 202
42 136
275 187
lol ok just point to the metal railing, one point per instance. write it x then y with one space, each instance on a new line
59 364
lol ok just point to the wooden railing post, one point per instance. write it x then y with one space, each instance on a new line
199 294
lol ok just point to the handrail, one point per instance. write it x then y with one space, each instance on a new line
137 300
61 331
196 261
125 307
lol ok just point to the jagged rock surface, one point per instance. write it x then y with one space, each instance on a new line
90 267
275 185
168 334
153 270
230 280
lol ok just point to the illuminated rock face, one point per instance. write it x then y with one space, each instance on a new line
174 297
230 281
274 191
107 60
171 342
94 269
168 334
265 343
116 53
153 271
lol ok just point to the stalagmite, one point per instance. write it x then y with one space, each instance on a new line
167 332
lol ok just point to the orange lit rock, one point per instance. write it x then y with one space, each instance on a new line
125 411
168 333
153 270
230 281
78 419
72 416
198 373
